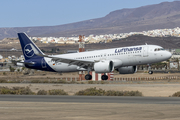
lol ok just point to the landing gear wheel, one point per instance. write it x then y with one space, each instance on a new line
149 68
104 77
150 72
88 77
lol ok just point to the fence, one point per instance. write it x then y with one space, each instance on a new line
146 78
130 78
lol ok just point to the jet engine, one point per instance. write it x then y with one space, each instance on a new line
127 70
105 66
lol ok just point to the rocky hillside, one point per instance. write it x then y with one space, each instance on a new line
158 16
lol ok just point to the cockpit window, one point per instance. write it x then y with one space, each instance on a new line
159 49
162 49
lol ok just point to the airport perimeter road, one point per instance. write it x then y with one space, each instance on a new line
22 107
90 99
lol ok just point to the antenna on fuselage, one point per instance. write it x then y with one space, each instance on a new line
146 43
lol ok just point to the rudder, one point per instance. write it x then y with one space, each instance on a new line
28 47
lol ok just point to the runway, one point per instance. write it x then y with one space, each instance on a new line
34 107
90 99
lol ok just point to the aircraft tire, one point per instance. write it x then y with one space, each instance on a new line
150 72
88 77
104 77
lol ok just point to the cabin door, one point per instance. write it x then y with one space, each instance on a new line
145 51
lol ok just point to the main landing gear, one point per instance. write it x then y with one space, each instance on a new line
104 77
89 77
149 68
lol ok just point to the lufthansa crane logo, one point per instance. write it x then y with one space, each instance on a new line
28 51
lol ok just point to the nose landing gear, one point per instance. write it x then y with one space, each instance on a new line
150 72
149 68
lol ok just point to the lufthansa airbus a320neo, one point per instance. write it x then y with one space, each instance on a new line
123 59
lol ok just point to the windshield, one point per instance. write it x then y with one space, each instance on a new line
159 49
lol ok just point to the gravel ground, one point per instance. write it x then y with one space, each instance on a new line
153 90
162 88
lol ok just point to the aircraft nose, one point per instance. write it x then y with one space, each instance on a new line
168 55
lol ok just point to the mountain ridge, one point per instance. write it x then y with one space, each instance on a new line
157 16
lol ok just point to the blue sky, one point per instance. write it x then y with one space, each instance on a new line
26 13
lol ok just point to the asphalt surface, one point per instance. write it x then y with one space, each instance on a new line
46 107
90 99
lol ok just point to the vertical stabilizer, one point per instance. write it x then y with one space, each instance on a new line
28 47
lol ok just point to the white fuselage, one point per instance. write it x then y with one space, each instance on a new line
124 56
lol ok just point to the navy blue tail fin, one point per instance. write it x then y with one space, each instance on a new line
28 47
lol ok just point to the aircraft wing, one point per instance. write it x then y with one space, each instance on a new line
81 63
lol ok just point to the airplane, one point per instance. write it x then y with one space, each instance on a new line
122 59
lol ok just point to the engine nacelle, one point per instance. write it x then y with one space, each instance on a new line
105 66
127 70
